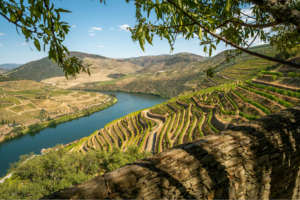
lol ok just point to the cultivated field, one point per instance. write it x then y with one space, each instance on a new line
22 102
190 117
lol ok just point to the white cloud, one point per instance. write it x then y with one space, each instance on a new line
218 31
16 45
97 28
91 30
111 28
23 43
247 11
144 55
124 27
90 44
2 33
1 44
101 46
92 34
73 26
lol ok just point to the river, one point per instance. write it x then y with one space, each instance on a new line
10 151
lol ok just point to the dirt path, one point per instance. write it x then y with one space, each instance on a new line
224 76
150 141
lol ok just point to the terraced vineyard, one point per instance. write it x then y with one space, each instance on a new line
190 117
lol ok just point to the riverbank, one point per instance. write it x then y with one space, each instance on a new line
19 131
149 93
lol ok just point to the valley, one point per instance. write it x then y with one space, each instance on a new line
26 103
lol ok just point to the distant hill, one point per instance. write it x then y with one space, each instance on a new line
153 64
103 68
45 68
9 66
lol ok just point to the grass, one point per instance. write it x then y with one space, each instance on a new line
17 109
11 99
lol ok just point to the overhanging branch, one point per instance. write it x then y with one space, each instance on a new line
233 44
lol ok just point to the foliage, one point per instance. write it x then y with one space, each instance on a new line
56 170
247 116
202 18
293 74
265 110
39 21
272 73
273 77
162 134
35 127
269 96
275 89
187 122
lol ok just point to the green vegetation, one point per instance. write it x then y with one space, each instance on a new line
162 134
265 110
293 74
269 96
277 90
56 170
272 73
209 124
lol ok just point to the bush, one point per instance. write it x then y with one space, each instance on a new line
293 74
272 73
52 123
259 74
273 77
247 116
35 127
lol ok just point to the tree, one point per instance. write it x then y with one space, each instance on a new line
201 18
43 24
2 122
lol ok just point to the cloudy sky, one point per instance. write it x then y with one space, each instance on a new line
96 29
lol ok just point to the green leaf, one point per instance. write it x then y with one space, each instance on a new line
37 44
228 4
62 10
200 33
13 18
210 51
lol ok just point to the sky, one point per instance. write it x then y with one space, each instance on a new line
96 29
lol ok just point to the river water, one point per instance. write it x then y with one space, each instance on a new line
10 151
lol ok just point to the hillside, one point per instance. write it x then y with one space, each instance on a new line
181 76
152 64
9 66
27 102
101 67
198 117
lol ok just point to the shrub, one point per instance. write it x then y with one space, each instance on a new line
273 77
259 74
52 123
272 73
247 116
293 74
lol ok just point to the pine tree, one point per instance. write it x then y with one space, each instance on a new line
2 122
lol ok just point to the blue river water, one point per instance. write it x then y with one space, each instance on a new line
10 151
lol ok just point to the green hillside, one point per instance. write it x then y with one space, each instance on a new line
45 68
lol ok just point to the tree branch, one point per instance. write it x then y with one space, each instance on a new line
280 11
235 45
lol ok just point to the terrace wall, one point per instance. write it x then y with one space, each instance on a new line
157 116
278 86
255 160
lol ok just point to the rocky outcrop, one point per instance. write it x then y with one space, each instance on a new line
255 160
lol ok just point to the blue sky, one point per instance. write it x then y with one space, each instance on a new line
96 29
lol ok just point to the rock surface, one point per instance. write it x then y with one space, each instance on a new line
254 160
